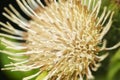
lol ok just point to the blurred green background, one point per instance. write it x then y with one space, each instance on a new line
110 69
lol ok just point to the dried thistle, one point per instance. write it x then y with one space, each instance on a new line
61 38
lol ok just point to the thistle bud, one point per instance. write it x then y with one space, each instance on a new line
61 38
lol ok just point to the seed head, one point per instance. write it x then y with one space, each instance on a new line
62 37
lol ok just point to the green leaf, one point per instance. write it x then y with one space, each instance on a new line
42 75
1 46
114 66
113 70
116 57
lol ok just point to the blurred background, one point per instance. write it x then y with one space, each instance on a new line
110 69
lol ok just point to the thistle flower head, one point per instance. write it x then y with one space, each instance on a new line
61 37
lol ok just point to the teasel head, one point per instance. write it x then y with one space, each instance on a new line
62 37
